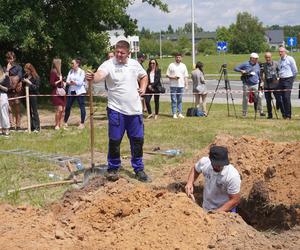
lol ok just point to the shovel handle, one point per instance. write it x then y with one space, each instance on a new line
92 137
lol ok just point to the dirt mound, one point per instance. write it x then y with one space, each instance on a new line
125 216
130 215
270 179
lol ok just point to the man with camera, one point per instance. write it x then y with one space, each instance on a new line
250 71
269 72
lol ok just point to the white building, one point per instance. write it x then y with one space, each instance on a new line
117 35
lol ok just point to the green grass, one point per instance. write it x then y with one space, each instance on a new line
212 63
190 135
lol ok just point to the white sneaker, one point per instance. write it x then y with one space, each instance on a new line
81 126
66 126
175 116
180 116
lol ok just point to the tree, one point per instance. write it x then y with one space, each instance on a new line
206 46
149 46
170 29
184 45
38 30
247 35
168 48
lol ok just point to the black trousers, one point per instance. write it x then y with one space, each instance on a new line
286 84
34 115
148 105
70 101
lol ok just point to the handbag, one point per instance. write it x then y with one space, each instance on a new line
60 91
160 89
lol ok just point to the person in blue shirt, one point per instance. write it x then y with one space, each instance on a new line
250 71
287 74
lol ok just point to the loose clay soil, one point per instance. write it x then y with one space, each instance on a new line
130 215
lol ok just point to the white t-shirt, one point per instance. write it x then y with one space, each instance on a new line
79 78
180 70
122 85
217 186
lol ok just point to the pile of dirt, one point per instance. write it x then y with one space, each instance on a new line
270 173
123 215
130 215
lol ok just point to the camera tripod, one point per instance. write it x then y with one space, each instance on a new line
223 73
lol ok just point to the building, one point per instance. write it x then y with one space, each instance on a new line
117 35
275 38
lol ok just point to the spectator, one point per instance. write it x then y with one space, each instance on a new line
178 75
4 115
250 71
270 77
109 55
76 83
199 88
287 74
14 71
59 101
141 57
124 109
33 80
154 84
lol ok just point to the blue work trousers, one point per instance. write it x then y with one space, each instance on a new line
118 123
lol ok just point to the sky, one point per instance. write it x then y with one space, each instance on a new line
209 14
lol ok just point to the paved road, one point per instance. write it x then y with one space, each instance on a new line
211 86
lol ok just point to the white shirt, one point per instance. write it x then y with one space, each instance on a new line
217 186
122 84
79 78
179 70
287 67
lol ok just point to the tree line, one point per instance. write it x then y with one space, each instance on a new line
246 35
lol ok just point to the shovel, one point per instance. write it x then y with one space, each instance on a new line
92 171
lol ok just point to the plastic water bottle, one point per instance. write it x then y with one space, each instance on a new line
55 177
173 152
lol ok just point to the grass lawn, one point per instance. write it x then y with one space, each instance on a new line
212 63
190 135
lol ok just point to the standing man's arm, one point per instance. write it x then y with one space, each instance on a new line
240 68
98 76
143 84
189 187
293 66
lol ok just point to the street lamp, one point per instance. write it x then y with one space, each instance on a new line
193 33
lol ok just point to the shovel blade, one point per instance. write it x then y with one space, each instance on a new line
93 172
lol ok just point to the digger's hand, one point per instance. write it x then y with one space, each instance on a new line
189 189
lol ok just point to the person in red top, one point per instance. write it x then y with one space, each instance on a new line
56 82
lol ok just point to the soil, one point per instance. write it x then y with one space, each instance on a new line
130 215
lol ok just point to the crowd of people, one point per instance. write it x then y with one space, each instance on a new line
273 78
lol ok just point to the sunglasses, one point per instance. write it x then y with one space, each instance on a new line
152 63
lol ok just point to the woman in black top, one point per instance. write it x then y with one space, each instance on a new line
33 81
4 115
154 84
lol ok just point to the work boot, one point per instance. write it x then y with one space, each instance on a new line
112 174
141 176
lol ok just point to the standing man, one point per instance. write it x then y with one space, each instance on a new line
124 110
250 71
222 181
141 57
287 74
270 78
178 75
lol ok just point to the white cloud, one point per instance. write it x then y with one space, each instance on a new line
210 14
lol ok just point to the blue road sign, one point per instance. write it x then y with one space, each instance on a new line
292 41
222 46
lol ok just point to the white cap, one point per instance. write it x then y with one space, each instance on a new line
254 55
